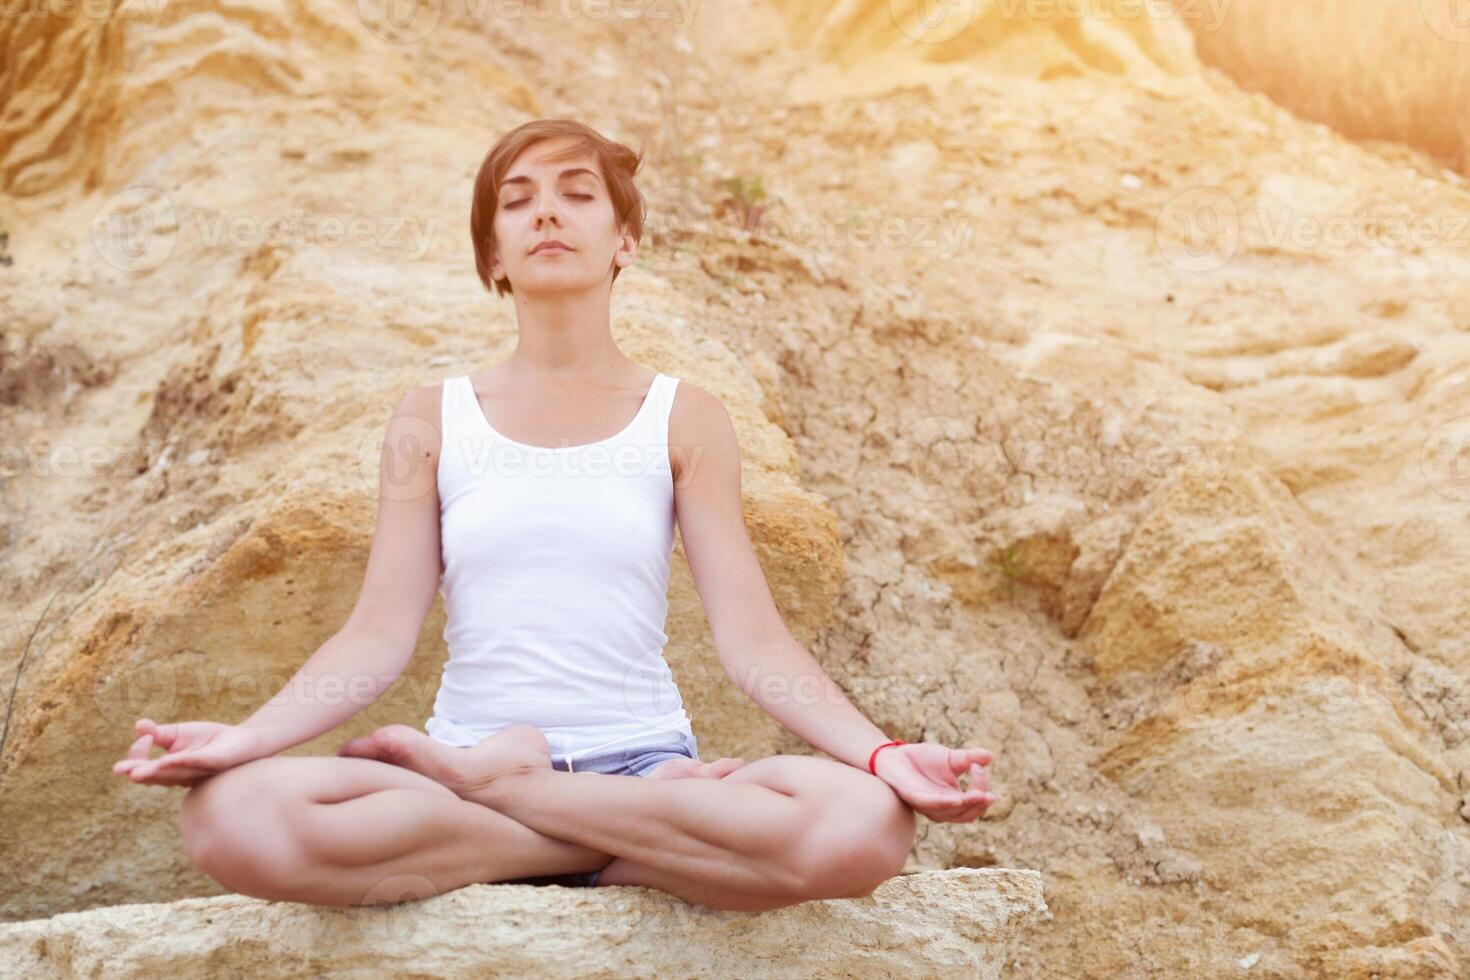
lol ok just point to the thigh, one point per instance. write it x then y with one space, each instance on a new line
280 780
844 800
854 820
269 810
809 775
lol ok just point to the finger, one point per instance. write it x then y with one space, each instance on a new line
975 813
175 762
962 759
156 774
975 801
725 766
972 814
979 778
139 749
961 806
968 811
176 777
941 807
164 735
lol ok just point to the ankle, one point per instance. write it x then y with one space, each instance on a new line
497 788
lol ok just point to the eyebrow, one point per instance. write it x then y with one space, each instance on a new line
569 172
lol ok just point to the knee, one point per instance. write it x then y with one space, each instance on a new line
862 839
232 830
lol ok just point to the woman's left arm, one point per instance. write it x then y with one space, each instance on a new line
756 650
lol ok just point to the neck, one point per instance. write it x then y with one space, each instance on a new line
566 335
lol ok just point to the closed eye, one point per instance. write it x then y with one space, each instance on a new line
515 204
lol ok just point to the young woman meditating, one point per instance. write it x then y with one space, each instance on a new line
540 495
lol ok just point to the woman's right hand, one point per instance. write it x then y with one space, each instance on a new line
193 751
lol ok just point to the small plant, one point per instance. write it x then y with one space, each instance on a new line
749 196
1010 567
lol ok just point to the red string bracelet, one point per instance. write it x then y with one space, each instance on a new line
874 757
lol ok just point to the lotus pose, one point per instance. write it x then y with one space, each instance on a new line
541 496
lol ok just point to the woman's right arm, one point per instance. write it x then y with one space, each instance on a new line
363 658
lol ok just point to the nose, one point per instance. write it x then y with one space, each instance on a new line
546 213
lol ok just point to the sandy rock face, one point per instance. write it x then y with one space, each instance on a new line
1088 413
931 924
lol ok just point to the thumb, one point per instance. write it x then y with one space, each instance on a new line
175 759
976 755
164 736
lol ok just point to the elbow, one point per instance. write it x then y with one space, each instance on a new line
755 661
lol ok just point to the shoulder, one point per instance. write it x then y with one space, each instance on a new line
697 412
416 424
699 427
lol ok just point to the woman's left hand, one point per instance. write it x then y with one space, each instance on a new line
926 777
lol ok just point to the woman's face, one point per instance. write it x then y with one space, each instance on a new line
565 200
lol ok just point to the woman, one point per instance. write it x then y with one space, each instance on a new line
552 540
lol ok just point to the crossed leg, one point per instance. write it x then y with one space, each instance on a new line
355 830
783 829
341 831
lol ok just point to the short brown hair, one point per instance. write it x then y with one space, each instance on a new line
618 163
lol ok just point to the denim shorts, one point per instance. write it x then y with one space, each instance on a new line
639 760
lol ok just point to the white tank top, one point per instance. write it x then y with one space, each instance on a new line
555 585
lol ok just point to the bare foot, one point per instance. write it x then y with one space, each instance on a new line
468 771
403 745
694 769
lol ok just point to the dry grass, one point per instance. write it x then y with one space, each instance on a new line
1373 69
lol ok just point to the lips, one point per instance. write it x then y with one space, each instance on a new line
552 244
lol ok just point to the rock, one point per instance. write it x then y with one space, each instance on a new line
933 924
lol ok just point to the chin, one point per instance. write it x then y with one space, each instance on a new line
569 280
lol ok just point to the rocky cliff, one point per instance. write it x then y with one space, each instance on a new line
1093 411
